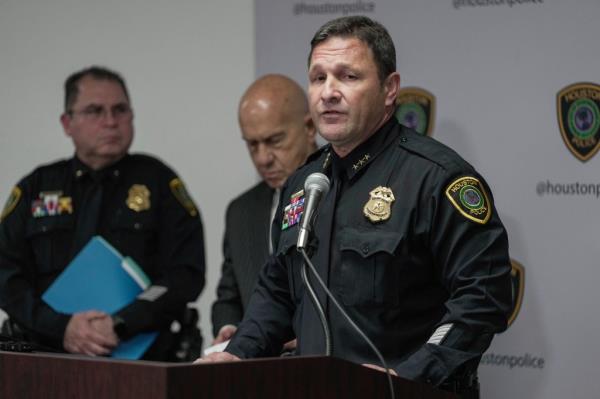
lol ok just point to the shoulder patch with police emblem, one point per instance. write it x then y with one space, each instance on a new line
11 202
180 192
469 197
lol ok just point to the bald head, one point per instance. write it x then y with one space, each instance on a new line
276 125
273 94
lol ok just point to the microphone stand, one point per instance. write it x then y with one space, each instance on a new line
346 316
318 307
317 184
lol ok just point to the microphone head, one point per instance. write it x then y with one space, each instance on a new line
316 181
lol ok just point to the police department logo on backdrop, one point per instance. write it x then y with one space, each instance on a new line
415 108
578 111
517 279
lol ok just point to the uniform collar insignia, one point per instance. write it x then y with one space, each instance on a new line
367 151
361 162
80 169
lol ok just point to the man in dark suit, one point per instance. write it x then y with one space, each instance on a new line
279 133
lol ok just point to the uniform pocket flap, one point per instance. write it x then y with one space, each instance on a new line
367 243
49 224
133 222
287 240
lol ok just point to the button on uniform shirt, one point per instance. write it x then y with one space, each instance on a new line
415 252
142 210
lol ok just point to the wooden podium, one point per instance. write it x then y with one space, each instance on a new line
48 376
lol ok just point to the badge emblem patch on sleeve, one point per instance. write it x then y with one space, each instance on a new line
379 206
11 202
138 198
469 197
180 192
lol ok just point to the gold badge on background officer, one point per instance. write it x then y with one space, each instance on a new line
139 198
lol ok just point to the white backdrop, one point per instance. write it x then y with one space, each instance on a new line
495 67
186 63
495 71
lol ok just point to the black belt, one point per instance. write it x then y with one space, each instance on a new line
20 339
10 342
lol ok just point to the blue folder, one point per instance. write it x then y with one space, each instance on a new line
100 278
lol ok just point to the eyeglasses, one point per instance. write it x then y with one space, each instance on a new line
94 113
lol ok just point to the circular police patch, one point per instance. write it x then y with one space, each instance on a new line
412 116
584 118
470 199
11 202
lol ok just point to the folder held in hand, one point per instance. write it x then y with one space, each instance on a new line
100 278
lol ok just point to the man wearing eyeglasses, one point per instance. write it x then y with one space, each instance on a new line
135 202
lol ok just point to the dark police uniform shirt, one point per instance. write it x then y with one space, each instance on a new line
145 213
426 275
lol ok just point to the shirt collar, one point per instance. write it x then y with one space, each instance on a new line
80 170
365 153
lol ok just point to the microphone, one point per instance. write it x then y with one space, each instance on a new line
316 187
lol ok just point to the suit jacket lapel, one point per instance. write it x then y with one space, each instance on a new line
260 214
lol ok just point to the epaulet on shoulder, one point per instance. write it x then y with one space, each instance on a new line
140 156
430 149
150 160
50 166
315 155
318 153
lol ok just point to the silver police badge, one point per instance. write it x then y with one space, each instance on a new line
379 206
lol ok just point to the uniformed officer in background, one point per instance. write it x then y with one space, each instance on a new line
407 237
134 201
